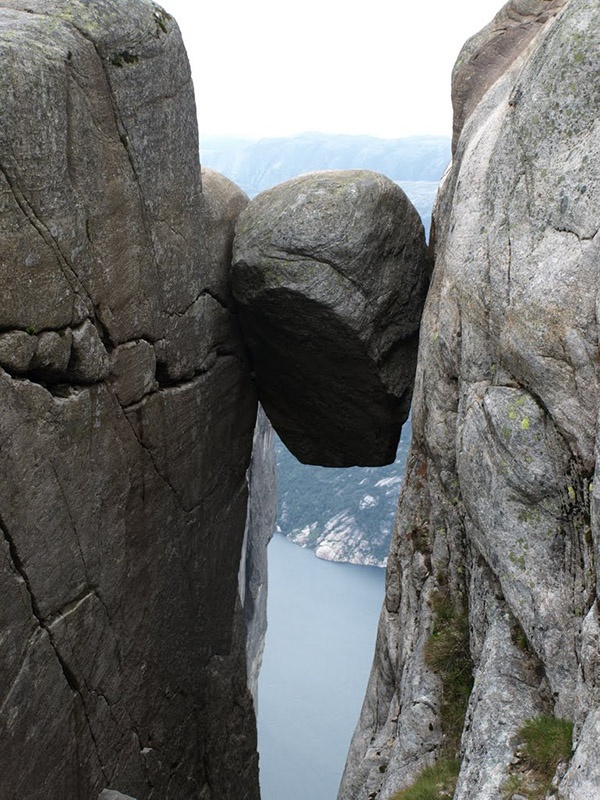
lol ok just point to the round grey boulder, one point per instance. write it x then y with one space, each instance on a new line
330 273
222 203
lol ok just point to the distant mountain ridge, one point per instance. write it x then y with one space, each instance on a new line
257 164
416 162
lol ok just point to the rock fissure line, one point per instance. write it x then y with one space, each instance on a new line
578 235
157 470
68 674
56 389
101 696
203 293
212 294
43 230
103 767
335 267
71 605
165 385
71 519
38 634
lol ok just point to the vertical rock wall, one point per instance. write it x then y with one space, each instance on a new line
499 510
126 421
260 525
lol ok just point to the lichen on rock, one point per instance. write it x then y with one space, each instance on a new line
501 475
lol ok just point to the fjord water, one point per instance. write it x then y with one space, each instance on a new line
322 627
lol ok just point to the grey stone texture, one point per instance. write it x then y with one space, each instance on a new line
223 203
260 526
330 272
52 355
17 349
486 56
126 422
500 501
89 359
133 371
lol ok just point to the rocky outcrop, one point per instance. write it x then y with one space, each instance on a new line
223 202
497 540
490 53
330 272
126 425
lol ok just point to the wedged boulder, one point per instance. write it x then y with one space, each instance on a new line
330 271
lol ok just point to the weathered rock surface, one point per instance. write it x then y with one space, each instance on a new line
109 794
488 54
126 423
330 272
260 525
17 349
223 203
499 510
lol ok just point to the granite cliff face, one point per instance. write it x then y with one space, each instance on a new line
127 420
496 540
260 525
133 571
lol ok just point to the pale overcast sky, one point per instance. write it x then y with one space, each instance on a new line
380 67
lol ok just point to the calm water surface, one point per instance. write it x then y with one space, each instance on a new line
322 626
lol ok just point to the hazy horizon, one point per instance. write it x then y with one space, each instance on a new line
270 71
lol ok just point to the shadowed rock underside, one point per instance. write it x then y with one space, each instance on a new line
330 272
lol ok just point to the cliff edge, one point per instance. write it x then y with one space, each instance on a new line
127 420
490 624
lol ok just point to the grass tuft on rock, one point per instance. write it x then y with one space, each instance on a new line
437 782
547 741
447 654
